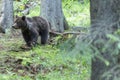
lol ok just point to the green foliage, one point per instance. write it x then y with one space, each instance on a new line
20 6
35 11
24 1
77 14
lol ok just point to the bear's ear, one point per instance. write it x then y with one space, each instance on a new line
23 18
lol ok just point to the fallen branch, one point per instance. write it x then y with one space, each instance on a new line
65 33
75 33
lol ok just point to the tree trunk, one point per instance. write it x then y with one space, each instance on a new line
52 11
6 19
104 20
1 17
0 7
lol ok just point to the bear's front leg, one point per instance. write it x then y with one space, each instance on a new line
27 38
34 37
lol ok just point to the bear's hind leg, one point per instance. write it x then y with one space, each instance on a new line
44 37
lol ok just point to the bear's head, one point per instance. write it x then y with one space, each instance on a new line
19 22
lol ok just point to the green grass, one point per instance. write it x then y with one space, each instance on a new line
56 63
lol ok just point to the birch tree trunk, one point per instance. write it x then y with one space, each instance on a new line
52 11
104 20
6 18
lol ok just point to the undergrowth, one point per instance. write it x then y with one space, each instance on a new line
43 63
76 13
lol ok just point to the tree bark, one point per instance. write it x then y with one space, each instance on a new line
6 18
1 17
104 20
52 11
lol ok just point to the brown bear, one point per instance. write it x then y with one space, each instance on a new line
32 28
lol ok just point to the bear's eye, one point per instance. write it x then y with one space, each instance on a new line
17 21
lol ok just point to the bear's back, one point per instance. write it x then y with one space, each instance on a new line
39 22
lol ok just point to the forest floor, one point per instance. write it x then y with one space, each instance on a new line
40 63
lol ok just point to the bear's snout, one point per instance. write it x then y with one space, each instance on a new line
15 26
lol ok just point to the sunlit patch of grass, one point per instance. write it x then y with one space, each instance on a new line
11 76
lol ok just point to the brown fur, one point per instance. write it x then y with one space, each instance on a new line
31 28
